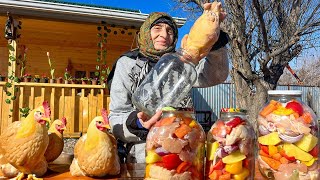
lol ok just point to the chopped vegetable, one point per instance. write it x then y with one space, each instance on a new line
181 131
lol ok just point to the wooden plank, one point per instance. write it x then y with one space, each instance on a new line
72 110
92 105
39 99
21 99
68 114
1 102
85 111
31 98
62 103
52 103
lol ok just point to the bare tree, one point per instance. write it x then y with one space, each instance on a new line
265 36
308 72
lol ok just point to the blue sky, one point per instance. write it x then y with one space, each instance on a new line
146 6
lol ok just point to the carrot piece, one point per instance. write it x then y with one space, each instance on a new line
195 173
183 167
274 164
181 131
262 153
187 120
167 121
276 156
215 174
269 108
225 176
307 118
284 160
295 115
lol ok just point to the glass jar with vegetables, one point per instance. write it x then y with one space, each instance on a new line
175 147
230 142
288 133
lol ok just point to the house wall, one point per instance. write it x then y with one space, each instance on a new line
72 42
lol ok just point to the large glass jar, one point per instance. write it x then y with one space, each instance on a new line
175 147
167 83
288 145
230 141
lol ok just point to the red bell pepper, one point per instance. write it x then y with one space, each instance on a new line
290 158
218 166
171 161
315 151
234 122
264 148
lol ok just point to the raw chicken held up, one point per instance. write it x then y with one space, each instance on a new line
205 31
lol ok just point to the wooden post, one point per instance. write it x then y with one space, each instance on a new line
12 34
12 68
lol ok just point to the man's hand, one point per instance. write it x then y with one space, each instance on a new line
147 122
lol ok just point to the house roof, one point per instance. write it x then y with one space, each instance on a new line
62 10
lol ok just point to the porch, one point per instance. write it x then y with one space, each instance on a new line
78 103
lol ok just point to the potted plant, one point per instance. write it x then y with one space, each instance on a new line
51 68
84 80
2 77
36 78
59 80
94 81
74 81
67 77
27 77
44 79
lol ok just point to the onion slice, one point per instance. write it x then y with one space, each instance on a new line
290 139
263 130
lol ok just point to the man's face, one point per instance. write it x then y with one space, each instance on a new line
162 36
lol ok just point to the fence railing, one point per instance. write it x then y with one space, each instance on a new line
78 103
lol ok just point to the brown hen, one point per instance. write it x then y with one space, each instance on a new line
23 144
95 153
56 143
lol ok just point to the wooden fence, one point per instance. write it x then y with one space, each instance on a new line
78 103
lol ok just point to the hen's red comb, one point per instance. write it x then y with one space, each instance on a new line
104 114
64 120
46 107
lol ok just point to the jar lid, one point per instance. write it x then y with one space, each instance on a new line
284 92
233 110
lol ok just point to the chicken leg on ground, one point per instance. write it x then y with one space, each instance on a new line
30 177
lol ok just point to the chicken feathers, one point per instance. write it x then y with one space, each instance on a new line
95 153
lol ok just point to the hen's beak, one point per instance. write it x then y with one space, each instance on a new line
107 126
47 120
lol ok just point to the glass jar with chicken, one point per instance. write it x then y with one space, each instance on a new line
175 147
229 152
288 145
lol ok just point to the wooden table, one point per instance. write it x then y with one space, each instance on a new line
128 171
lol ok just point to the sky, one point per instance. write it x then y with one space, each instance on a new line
147 6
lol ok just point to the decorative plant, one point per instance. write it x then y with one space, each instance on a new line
51 66
44 78
101 67
11 34
36 78
23 61
24 111
67 75
27 75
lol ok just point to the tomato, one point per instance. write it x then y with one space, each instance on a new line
171 161
295 106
